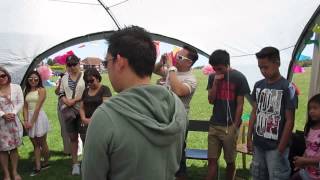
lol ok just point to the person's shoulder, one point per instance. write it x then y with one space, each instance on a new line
285 81
284 84
104 87
15 86
259 83
65 77
238 73
41 89
102 113
102 122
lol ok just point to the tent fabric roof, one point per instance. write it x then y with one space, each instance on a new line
241 27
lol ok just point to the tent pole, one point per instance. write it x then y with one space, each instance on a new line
315 74
110 14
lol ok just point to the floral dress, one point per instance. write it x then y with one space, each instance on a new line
11 131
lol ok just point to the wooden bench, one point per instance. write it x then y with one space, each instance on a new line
202 154
242 143
199 126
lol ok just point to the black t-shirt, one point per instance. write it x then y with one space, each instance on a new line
272 101
227 91
92 102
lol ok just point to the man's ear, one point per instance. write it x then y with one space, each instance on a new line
122 62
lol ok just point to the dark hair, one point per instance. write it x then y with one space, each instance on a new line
135 44
192 53
28 87
61 74
271 53
91 72
72 58
310 123
7 73
219 57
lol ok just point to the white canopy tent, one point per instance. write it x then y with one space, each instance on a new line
30 27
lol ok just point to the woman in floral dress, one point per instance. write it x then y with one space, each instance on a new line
11 102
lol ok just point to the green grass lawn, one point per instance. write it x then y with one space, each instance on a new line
200 109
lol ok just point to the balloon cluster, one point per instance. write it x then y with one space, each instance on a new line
45 72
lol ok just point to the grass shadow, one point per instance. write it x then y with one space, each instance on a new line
60 168
198 171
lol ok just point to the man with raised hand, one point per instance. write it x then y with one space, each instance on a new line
181 81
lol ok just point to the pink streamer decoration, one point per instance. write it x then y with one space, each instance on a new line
62 58
298 69
207 69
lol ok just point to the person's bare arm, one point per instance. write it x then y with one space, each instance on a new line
42 98
158 67
252 120
239 110
212 92
287 130
178 87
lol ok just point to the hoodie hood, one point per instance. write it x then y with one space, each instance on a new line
154 111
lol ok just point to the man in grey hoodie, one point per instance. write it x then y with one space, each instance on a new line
139 133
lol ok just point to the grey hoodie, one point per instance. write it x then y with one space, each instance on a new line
136 135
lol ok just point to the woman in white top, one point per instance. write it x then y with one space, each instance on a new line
36 120
11 102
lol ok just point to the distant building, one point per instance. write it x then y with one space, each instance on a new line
92 62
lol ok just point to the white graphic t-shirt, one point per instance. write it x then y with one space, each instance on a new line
272 102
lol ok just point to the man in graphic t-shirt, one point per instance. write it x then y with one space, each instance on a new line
272 119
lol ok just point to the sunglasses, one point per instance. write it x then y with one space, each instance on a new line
2 76
89 81
72 64
181 58
33 79
105 63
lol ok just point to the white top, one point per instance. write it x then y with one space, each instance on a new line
16 98
64 87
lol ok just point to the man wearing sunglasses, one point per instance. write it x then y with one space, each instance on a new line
138 133
181 81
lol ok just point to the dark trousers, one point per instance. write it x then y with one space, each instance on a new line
183 165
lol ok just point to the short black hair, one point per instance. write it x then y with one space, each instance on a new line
135 44
219 57
192 53
91 72
271 53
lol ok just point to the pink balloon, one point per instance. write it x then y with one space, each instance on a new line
207 69
45 72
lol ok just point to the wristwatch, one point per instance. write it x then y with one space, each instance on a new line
172 68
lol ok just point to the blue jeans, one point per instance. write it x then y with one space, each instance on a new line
304 175
270 164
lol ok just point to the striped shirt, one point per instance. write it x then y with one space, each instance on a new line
190 81
71 84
